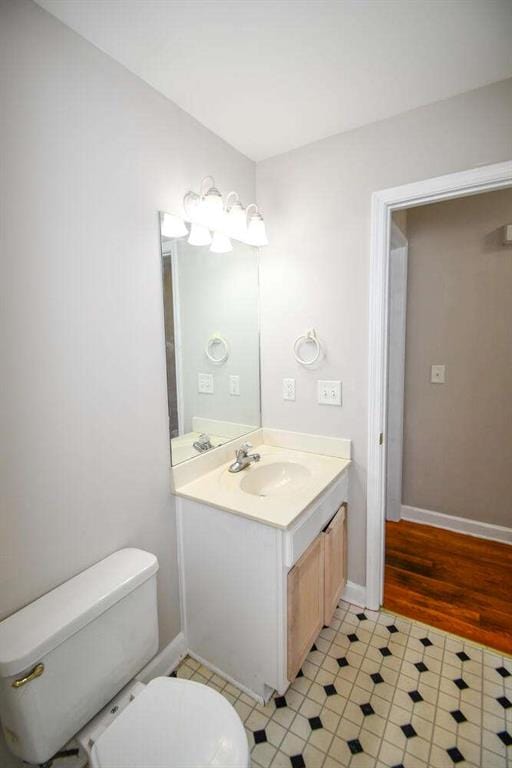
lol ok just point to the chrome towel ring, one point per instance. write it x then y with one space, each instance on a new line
309 337
216 340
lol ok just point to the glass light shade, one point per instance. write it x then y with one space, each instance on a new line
199 235
221 243
173 226
212 208
256 232
235 221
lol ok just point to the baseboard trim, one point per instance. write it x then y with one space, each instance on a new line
355 594
227 677
458 524
165 661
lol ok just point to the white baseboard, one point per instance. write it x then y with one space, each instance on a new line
227 677
459 524
165 661
355 594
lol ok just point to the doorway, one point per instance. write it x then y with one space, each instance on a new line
383 204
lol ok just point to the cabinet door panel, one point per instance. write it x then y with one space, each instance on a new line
305 604
335 558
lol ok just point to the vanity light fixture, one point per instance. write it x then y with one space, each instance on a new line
173 226
208 213
220 243
199 235
256 232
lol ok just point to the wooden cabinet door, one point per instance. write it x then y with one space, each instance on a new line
335 560
305 604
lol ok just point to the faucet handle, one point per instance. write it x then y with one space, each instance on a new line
241 452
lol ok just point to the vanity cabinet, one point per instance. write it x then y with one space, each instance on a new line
314 586
254 596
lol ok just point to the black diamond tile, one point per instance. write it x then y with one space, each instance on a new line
455 755
505 703
415 696
385 652
173 674
300 673
355 746
458 716
408 731
461 684
362 616
315 723
367 709
280 702
297 761
503 671
353 638
401 765
377 678
392 629
505 737
314 648
426 642
330 690
462 656
260 736
342 662
421 667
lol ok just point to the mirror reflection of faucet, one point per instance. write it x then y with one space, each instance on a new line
203 443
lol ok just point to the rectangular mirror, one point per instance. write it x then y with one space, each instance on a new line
212 341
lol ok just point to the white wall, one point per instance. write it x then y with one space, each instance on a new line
89 155
316 202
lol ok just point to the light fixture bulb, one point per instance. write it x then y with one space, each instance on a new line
256 232
236 223
221 243
199 235
173 226
212 208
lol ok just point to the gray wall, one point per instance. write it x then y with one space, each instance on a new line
457 438
317 202
90 153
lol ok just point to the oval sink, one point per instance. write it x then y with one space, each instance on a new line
274 478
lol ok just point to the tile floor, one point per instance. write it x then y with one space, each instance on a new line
379 690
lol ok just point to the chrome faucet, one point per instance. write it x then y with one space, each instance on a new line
203 443
243 458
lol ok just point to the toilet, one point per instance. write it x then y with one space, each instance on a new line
67 668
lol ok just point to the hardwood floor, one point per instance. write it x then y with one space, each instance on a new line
455 582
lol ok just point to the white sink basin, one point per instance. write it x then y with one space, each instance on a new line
274 478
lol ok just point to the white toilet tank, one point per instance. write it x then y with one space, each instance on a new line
78 645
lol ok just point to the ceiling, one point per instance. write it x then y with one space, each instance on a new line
271 75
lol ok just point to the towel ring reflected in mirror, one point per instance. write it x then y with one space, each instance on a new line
219 343
308 338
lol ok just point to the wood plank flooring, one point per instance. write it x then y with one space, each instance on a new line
455 582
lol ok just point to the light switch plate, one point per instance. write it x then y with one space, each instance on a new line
288 389
329 392
438 374
205 383
234 385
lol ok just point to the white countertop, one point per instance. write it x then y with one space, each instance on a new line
220 488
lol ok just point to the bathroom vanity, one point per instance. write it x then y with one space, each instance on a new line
262 555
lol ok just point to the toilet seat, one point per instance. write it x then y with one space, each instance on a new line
174 723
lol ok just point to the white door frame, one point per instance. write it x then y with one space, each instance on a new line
459 184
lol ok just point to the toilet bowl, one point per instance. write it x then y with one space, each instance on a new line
67 667
173 723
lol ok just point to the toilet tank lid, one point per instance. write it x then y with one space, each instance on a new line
29 634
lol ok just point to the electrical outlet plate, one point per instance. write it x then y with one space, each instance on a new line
205 383
329 392
438 374
288 389
234 385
